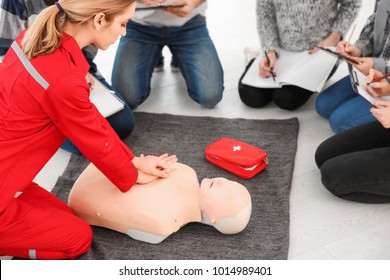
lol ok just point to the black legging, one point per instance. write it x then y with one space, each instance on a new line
288 97
355 164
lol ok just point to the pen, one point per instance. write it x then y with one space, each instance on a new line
350 36
378 79
269 63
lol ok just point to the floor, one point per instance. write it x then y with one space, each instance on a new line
322 226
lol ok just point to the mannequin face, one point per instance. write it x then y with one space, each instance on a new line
222 198
214 185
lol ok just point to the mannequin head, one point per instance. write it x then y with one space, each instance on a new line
225 204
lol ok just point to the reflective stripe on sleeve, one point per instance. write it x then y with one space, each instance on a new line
32 253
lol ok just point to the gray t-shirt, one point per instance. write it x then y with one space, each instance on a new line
160 18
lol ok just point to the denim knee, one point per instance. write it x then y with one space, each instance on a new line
207 97
210 100
321 108
336 124
346 118
70 147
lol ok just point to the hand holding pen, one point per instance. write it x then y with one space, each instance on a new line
347 49
267 65
381 111
377 84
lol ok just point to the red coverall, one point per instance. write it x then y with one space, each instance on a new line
43 101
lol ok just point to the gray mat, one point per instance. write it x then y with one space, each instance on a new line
267 234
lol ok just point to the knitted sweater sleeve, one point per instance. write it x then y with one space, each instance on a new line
347 12
266 24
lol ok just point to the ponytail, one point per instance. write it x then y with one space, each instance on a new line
44 36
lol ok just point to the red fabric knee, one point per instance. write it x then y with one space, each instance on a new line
42 227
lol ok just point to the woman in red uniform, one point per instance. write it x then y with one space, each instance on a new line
44 99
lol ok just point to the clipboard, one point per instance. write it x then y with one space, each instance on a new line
158 7
349 60
358 82
105 100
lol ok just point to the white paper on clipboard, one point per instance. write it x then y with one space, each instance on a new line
358 81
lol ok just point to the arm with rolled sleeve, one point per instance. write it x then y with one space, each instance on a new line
67 104
366 44
366 38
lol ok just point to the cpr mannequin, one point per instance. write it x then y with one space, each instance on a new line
151 212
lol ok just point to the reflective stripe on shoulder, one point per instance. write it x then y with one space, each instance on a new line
29 67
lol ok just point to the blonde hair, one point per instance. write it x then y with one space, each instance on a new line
44 35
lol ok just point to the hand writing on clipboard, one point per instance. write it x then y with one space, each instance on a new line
378 86
363 64
360 85
374 88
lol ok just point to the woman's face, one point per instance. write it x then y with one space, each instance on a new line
110 32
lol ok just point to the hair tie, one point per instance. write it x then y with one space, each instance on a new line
59 7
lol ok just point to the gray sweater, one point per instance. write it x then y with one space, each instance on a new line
298 25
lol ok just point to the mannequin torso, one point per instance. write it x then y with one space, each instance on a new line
151 212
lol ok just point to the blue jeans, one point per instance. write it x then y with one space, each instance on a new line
192 49
122 122
343 107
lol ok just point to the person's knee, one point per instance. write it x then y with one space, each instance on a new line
81 241
210 101
285 105
320 106
321 154
70 147
133 91
252 97
338 183
289 102
134 100
207 97
338 124
123 122
331 180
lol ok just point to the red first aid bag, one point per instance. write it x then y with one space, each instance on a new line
239 158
